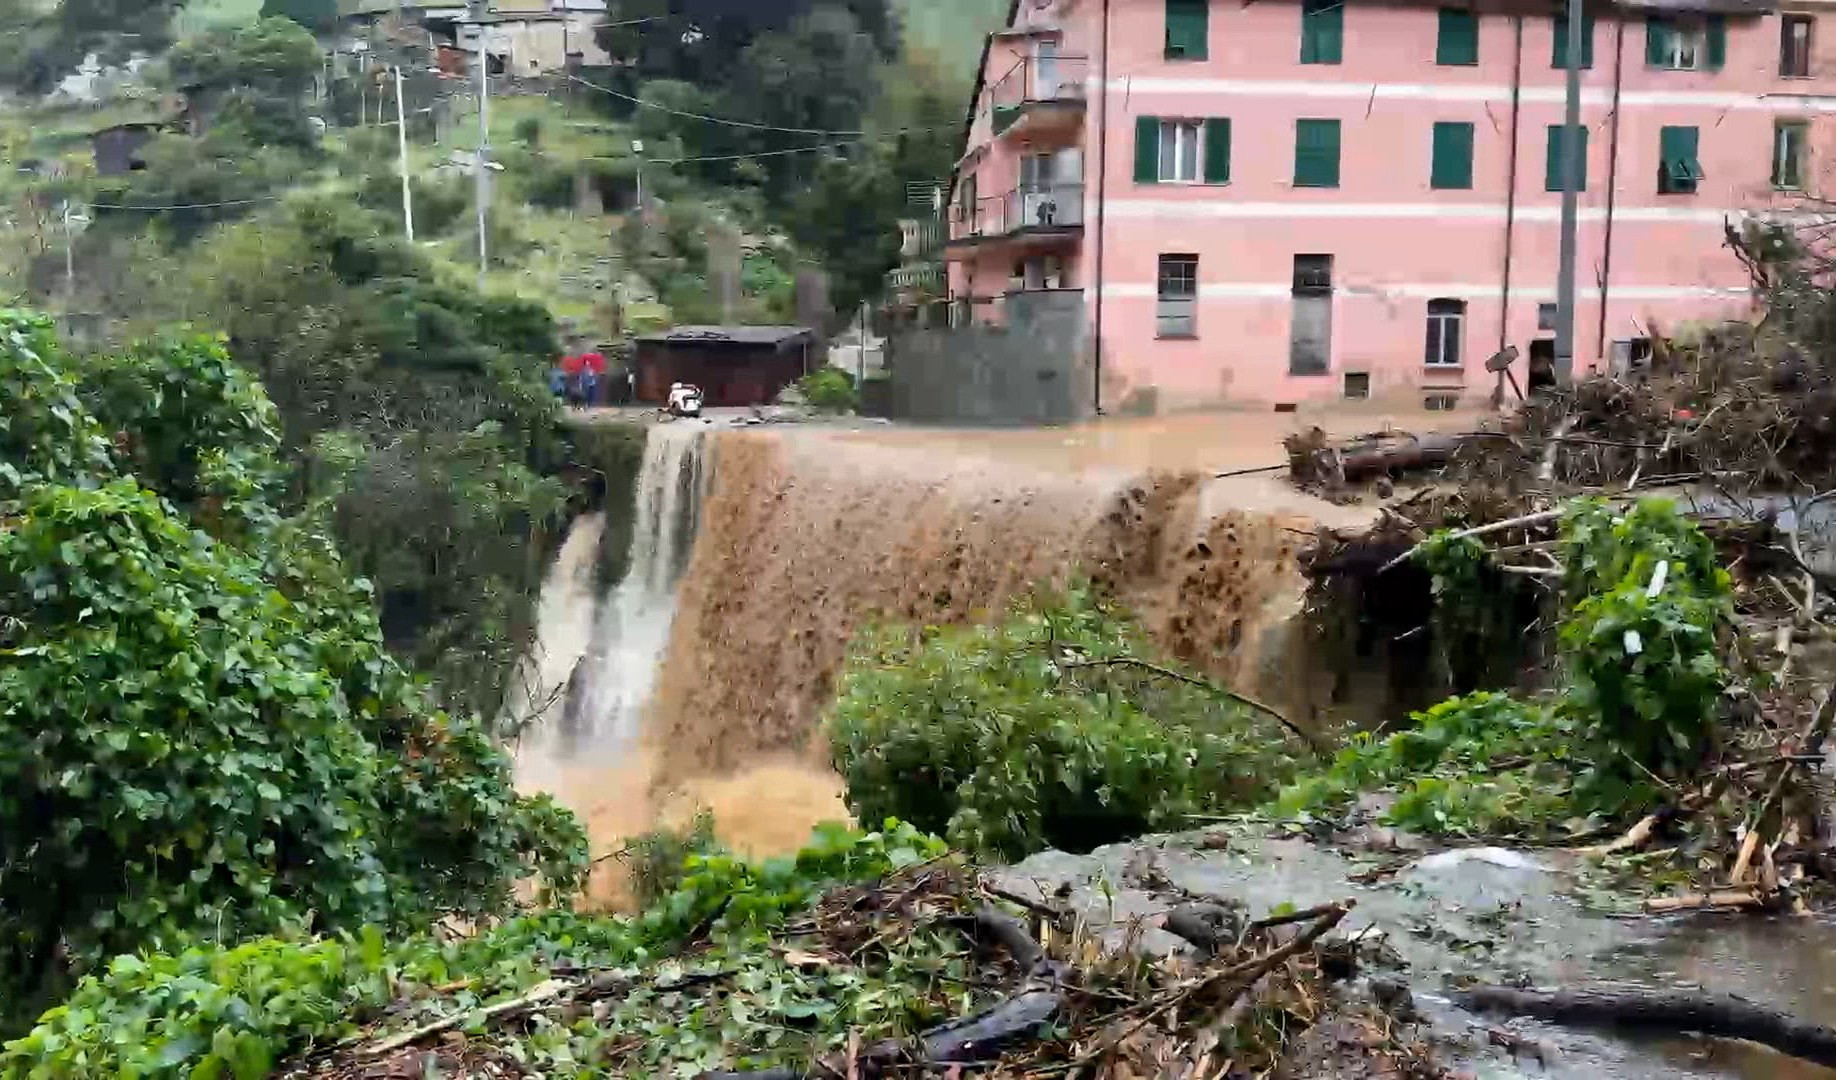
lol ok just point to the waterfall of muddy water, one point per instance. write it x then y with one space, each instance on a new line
808 537
597 655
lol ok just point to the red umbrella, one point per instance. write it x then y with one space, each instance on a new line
594 362
571 364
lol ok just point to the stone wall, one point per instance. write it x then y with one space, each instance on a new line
1032 370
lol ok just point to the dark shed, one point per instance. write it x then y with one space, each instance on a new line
733 365
117 148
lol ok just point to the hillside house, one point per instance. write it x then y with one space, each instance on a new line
1296 200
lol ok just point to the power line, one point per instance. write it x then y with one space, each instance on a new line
185 206
746 124
761 153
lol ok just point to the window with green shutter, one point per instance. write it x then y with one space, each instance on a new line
1217 150
1686 42
1322 31
1316 153
1147 149
1188 29
1452 164
1456 42
1552 160
1678 169
1558 54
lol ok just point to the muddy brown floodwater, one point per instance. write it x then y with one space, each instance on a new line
758 554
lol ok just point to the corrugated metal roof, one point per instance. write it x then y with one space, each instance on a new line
737 335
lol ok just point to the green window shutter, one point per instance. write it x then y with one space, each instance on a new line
1678 168
1558 54
1717 41
1217 150
1147 149
1188 29
1316 153
1657 42
1552 163
1322 31
1452 165
1456 43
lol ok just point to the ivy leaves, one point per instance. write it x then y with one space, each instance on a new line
201 733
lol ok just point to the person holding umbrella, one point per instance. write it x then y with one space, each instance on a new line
592 373
571 365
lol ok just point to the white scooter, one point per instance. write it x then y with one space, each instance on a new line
686 403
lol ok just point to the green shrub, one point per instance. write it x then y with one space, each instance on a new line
1645 670
1641 687
830 390
1017 736
216 1012
1480 764
656 860
200 730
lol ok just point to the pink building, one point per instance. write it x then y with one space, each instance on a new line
1295 200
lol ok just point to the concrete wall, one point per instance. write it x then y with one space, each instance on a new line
1033 369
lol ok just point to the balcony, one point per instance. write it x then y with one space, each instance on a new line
1038 215
1041 97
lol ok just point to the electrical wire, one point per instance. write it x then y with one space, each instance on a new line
184 206
746 124
761 153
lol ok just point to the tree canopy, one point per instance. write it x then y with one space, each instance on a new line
200 729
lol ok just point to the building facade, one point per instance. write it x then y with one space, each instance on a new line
1297 200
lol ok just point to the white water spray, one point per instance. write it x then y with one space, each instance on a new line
597 655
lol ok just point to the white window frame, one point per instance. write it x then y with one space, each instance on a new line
1169 308
1438 323
1188 149
1779 150
1688 42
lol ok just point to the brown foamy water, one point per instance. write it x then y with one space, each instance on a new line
803 538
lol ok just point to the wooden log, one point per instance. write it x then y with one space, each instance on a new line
1415 452
1720 1015
1725 898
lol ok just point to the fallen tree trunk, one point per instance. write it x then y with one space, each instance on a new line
1314 459
1721 1015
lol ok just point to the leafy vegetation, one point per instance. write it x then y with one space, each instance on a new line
830 390
1026 734
217 1011
201 733
1641 687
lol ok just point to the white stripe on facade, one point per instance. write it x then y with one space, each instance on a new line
1476 93
1255 290
1181 209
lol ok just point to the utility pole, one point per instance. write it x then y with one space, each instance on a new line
483 185
401 147
1572 172
69 258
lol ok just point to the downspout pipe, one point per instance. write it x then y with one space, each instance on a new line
1102 187
1510 212
1612 191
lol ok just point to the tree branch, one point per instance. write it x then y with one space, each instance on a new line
1202 684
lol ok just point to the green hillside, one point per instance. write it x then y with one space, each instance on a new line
953 29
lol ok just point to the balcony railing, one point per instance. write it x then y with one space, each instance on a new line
1035 80
1036 207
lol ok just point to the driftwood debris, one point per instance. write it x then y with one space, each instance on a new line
1721 1015
1315 458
